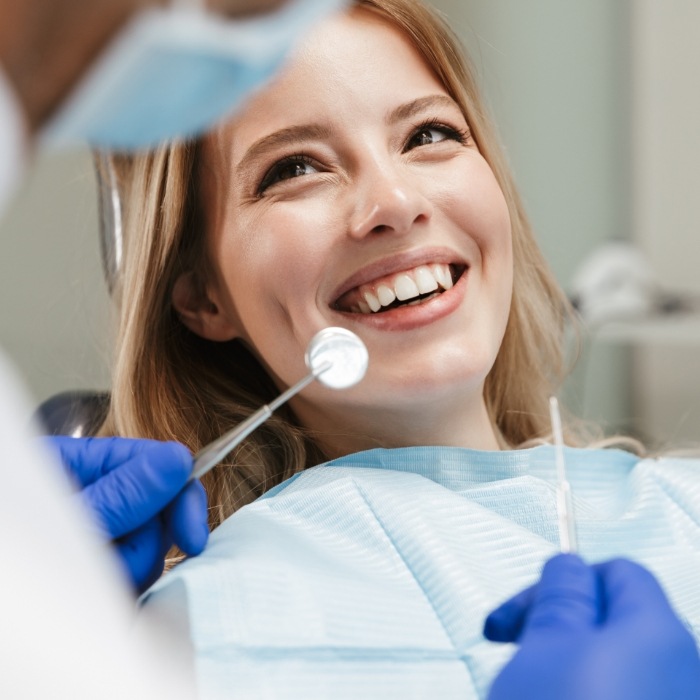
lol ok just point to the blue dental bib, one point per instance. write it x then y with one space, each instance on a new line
370 576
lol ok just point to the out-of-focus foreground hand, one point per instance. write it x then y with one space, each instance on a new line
137 494
603 632
47 45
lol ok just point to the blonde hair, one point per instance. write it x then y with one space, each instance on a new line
169 383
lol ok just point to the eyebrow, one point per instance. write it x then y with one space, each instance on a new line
422 104
294 135
280 139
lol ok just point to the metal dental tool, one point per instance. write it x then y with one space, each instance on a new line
565 505
335 356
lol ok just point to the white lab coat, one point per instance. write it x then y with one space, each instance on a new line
66 612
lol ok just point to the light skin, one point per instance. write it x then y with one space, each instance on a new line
336 180
47 45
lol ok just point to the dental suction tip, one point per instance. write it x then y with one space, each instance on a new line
337 358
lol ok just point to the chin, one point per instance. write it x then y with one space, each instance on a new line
432 388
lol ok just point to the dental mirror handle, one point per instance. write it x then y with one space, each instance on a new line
210 455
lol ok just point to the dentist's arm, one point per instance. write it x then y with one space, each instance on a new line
605 631
136 493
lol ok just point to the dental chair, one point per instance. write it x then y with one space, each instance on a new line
80 413
74 413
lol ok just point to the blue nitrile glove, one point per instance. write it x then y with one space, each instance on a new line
136 493
604 631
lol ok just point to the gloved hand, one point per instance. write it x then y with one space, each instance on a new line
605 631
135 491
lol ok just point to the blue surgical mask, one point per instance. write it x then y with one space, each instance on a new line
174 72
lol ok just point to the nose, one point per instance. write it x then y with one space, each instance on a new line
387 200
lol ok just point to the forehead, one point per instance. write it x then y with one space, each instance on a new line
350 66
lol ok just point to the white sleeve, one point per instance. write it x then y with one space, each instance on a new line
66 614
13 141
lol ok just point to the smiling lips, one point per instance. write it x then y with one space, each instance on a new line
407 288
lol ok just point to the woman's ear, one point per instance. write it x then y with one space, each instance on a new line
198 312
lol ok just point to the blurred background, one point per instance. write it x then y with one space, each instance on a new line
597 107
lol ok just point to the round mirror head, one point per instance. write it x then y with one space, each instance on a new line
343 355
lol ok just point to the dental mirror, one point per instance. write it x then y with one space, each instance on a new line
344 351
335 356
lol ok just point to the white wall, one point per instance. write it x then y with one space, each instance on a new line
53 303
556 73
666 186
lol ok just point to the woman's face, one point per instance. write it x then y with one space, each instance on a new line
350 193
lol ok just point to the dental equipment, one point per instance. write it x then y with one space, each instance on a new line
335 356
565 505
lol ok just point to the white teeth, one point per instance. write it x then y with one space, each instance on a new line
405 287
442 275
425 280
385 295
372 301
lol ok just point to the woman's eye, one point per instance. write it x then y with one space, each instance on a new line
429 134
287 169
426 136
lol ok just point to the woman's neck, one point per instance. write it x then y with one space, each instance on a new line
341 431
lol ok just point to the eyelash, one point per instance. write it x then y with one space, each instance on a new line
276 169
461 136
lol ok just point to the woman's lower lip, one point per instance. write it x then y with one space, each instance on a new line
406 318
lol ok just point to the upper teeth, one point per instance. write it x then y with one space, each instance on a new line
403 286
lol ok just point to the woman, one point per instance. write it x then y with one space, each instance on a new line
203 387
364 188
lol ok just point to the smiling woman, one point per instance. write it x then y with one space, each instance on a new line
362 188
377 201
351 192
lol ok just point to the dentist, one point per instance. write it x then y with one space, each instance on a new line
127 74
118 74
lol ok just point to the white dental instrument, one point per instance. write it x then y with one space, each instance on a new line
335 356
565 505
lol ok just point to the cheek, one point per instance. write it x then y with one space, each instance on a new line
294 242
478 207
480 210
497 251
275 256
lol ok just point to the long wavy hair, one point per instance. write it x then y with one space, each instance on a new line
170 384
